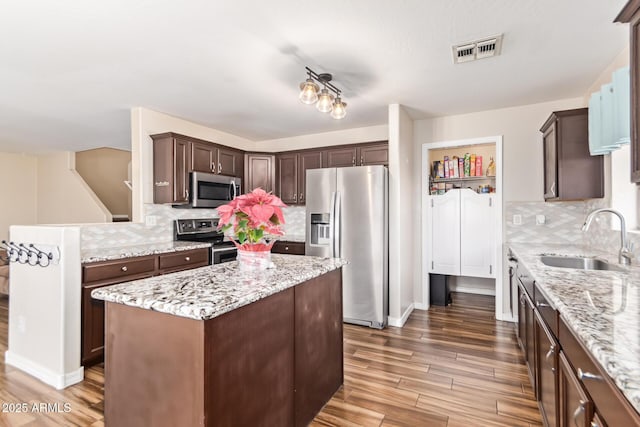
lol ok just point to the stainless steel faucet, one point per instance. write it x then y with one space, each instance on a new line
624 255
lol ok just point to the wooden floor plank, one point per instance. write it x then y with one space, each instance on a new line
449 366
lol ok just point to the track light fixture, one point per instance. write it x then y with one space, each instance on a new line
324 100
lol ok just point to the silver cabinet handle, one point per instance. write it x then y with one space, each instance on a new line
286 248
361 160
353 161
301 197
579 412
186 194
553 189
219 167
541 304
187 258
213 167
295 197
124 268
588 375
550 353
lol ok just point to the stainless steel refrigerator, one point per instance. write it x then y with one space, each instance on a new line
347 217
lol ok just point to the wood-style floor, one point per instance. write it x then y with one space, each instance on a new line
453 366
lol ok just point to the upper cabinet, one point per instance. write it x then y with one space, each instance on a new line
175 156
570 172
291 173
260 172
358 155
171 167
631 14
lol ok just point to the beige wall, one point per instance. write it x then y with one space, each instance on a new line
17 190
347 136
522 141
403 211
105 170
62 195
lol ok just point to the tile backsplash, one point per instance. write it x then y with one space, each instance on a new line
564 225
94 236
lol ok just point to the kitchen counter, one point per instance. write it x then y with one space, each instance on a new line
292 238
108 254
601 307
207 292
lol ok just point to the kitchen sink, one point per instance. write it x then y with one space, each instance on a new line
580 263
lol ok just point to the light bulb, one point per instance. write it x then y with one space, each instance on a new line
308 92
339 109
325 101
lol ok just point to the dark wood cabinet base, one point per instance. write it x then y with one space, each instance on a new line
275 362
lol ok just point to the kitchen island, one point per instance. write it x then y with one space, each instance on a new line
217 346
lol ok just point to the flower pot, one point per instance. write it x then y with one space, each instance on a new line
254 260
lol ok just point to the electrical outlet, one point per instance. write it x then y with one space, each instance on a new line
517 220
541 220
150 220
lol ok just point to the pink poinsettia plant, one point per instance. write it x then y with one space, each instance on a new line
253 217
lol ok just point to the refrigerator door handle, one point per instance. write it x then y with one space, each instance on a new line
332 218
336 227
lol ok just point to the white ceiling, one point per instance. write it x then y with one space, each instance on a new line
70 70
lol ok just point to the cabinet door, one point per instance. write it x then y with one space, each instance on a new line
181 169
307 160
92 327
287 178
521 331
549 139
341 157
443 220
230 162
576 408
477 233
374 155
259 172
547 364
530 345
203 157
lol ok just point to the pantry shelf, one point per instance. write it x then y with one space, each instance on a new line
464 179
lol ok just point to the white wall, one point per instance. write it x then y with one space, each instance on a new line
62 195
18 178
403 210
348 136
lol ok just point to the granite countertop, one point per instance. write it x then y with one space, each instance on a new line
207 292
601 307
292 238
107 254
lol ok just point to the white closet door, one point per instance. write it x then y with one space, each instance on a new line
444 236
478 234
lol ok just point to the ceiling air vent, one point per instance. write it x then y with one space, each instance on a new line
478 49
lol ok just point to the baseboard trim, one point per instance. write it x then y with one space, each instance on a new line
476 291
420 306
400 321
43 374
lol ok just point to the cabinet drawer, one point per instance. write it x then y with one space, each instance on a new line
183 260
608 399
119 270
546 310
293 248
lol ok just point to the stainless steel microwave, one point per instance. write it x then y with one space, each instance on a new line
210 191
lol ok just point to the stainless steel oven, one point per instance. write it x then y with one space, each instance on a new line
205 230
209 190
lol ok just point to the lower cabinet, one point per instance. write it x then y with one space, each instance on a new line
547 368
98 274
292 248
571 388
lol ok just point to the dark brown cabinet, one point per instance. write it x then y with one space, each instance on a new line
171 167
99 274
292 248
358 155
570 172
291 174
576 408
547 367
631 14
260 172
175 156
